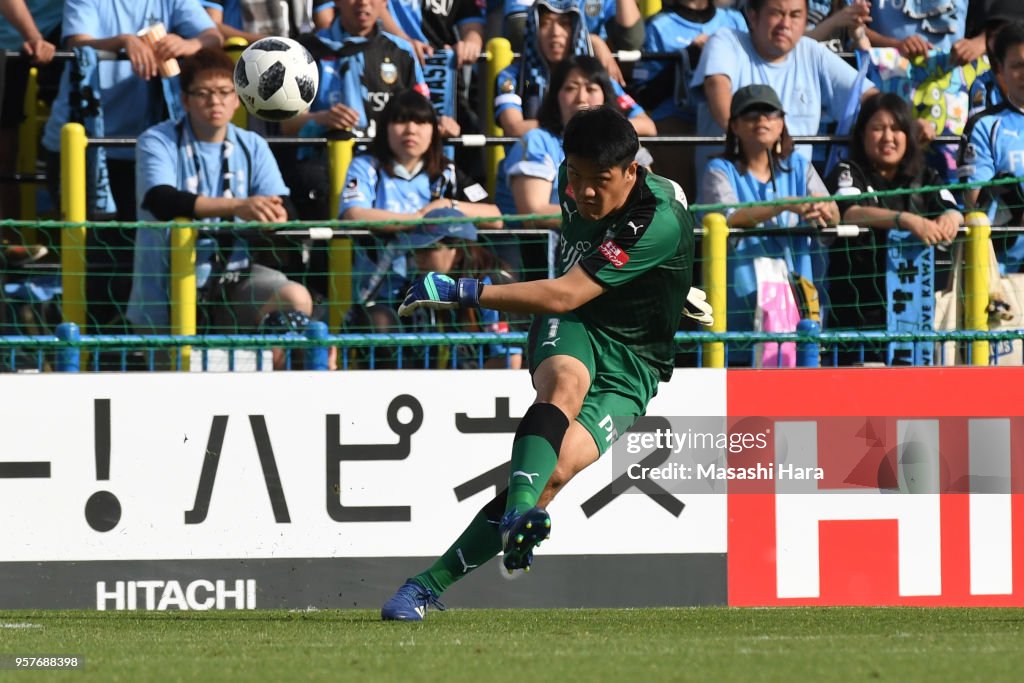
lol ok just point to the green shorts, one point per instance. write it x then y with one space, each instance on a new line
621 384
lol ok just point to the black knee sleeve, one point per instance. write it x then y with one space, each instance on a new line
546 421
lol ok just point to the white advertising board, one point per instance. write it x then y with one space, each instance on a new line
302 464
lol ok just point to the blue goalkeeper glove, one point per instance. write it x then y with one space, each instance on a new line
440 292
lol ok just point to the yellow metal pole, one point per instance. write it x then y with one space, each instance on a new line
976 282
72 209
28 152
714 250
183 285
339 281
339 255
648 8
499 56
235 45
339 156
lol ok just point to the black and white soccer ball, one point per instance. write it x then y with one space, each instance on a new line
276 79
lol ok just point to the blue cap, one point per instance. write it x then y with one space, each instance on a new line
425 234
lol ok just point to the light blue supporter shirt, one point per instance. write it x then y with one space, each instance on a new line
811 79
129 103
992 146
723 183
940 22
538 154
368 186
668 32
162 158
45 13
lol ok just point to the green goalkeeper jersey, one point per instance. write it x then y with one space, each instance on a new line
643 256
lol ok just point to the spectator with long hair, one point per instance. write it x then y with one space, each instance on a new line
528 174
405 176
884 155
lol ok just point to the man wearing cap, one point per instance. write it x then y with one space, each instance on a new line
600 341
807 75
451 248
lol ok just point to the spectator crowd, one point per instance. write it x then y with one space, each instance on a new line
756 72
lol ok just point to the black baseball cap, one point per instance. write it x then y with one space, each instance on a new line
754 97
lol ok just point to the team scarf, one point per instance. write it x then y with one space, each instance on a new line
533 67
910 296
228 184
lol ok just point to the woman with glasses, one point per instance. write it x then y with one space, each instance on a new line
758 165
202 166
405 176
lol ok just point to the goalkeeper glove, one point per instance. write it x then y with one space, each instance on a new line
698 308
440 292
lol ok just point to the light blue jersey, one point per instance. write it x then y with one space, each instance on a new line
130 104
811 79
992 147
369 186
723 183
45 13
669 32
940 22
169 154
538 154
984 93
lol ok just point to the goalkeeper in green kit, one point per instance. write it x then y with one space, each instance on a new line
600 341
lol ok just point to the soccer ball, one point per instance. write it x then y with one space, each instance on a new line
276 79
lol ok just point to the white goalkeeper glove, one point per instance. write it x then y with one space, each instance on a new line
698 308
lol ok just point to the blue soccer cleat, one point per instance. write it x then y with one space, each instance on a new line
520 534
409 603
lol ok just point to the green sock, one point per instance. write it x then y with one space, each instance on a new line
534 455
475 547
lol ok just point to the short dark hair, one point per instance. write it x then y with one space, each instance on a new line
208 59
912 162
409 106
1010 35
756 5
549 117
601 135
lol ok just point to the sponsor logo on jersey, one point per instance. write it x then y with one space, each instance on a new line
388 72
979 97
626 102
507 86
614 253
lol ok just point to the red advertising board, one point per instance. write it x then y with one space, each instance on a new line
962 547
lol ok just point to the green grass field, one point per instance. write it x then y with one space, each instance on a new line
700 644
